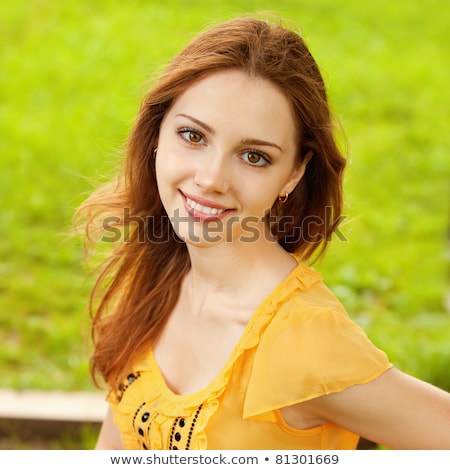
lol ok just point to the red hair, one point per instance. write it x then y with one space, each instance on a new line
138 286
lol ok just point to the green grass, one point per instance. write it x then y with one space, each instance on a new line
71 78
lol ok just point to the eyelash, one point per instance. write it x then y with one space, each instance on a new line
188 130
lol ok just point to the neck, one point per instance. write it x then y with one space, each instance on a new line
236 272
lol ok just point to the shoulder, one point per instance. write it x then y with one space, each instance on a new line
304 298
311 347
310 322
305 286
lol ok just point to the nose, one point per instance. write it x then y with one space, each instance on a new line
213 172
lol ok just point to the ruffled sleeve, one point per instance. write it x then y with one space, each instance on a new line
307 351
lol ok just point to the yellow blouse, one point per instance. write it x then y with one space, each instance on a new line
298 345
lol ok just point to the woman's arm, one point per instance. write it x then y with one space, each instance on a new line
395 410
109 437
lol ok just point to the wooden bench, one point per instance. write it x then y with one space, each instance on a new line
37 416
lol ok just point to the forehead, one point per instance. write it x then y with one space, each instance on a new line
234 82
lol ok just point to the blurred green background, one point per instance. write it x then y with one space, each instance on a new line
72 74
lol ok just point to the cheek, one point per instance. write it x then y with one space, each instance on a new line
164 179
172 160
260 198
160 179
167 168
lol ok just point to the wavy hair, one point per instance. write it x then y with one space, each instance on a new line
138 285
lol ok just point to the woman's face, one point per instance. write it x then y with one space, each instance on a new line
227 149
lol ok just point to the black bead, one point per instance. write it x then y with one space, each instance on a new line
182 423
177 436
145 417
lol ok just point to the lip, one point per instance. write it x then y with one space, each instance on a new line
202 216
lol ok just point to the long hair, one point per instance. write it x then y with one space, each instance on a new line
139 283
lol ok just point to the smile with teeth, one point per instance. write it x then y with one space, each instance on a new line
204 209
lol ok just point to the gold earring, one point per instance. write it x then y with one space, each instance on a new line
284 198
154 152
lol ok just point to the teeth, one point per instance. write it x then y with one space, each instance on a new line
205 209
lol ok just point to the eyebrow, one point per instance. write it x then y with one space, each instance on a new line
198 122
261 142
249 141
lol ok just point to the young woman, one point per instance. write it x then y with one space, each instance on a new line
210 330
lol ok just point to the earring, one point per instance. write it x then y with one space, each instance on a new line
154 152
284 198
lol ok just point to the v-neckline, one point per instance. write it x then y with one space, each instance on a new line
202 393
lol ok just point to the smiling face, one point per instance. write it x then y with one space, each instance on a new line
227 149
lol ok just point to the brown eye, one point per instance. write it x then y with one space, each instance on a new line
191 136
195 137
253 157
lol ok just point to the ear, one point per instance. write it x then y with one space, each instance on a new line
296 176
